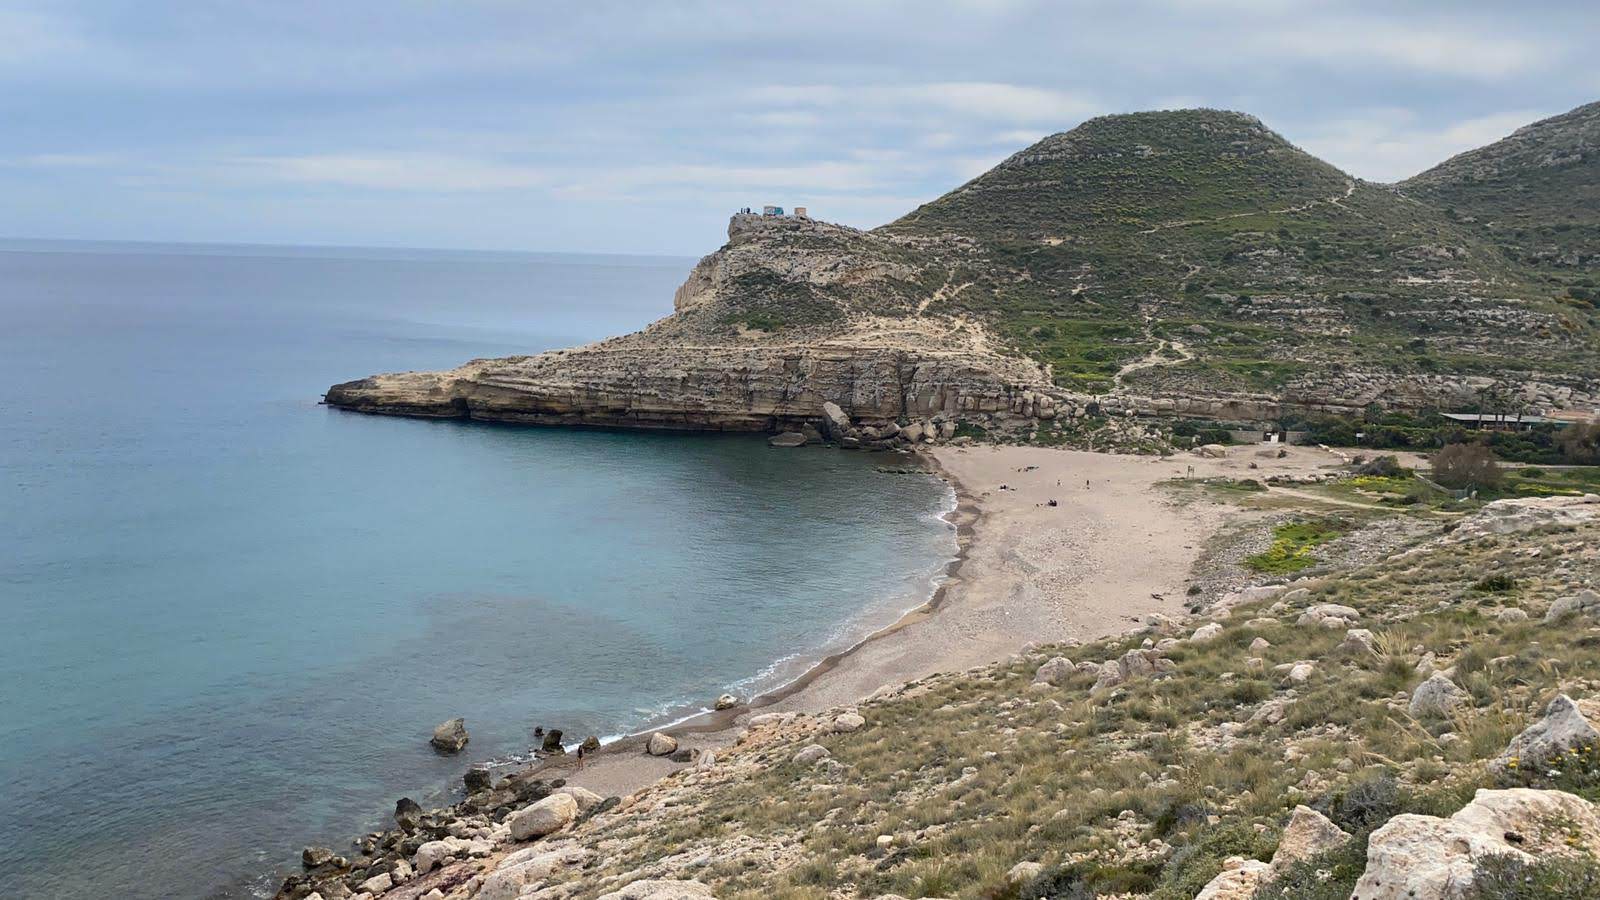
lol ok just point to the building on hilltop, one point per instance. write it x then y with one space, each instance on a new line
799 211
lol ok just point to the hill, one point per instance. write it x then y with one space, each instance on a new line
1535 194
1187 262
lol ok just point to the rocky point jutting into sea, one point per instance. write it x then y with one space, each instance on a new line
1087 273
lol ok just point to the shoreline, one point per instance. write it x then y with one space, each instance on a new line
1053 545
964 518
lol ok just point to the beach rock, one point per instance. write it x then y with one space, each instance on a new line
660 889
661 744
681 755
787 439
450 736
548 816
432 854
1357 642
1437 696
585 798
1308 834
835 424
1585 603
477 778
1415 857
811 754
727 701
1238 880
706 761
1329 615
848 722
377 884
1055 671
407 813
311 857
552 742
1206 633
1566 724
590 744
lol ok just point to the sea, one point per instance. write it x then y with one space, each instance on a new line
232 616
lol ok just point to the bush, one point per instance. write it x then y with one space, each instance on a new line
1466 465
1495 584
1580 444
1550 878
1384 467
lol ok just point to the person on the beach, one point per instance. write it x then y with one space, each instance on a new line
580 756
1086 484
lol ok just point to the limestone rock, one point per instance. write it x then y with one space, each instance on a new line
657 889
585 798
1437 696
450 736
525 867
1308 834
787 439
848 722
1056 670
311 857
661 744
1511 615
1585 604
548 816
1358 642
1329 615
1416 857
1024 872
835 424
1238 880
811 754
1566 724
1206 633
726 701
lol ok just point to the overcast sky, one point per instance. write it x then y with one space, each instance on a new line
637 127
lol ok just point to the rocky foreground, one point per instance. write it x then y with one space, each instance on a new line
1426 725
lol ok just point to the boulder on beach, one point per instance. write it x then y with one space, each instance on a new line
590 744
552 742
787 439
548 816
407 813
661 744
450 736
727 701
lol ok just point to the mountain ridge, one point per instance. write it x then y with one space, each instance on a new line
1187 262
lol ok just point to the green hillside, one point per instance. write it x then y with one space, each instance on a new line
1098 246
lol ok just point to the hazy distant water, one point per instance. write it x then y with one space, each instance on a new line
232 617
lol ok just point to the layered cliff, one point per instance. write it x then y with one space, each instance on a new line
1187 262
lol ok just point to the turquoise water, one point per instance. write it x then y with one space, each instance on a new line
232 616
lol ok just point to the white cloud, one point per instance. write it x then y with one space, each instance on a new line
406 172
1464 54
1389 144
981 100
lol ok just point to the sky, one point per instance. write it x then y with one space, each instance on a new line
601 126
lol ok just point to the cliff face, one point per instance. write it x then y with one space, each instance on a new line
1189 263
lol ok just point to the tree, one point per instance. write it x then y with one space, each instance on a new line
1466 465
1580 443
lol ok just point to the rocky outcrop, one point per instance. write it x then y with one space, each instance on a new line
1416 857
1566 724
548 816
450 736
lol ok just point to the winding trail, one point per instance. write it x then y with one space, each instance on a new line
1349 188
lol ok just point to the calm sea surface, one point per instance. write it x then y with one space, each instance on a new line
231 617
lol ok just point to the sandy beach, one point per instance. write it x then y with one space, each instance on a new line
1116 547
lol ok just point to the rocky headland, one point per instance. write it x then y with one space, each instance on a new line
1175 264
